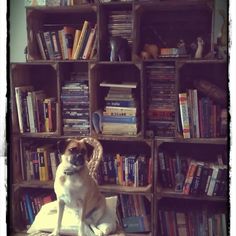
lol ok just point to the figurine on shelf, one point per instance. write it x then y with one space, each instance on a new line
150 51
200 46
181 47
119 49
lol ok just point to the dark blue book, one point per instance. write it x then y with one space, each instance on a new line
121 103
29 208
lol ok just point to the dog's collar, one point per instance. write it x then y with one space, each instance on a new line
70 172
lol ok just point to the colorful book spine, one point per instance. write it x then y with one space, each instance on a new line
183 105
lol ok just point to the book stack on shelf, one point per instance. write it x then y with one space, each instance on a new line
199 178
39 162
126 170
120 24
75 104
36 112
30 204
68 42
201 116
121 108
192 222
162 99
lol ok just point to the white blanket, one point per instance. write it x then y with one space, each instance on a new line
45 220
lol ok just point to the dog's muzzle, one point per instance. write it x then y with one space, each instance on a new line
77 157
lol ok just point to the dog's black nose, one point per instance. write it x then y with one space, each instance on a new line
77 157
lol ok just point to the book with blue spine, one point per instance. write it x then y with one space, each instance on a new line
119 119
124 103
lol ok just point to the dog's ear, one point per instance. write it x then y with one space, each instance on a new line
62 144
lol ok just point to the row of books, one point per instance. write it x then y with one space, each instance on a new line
161 99
126 170
39 162
192 223
75 104
36 112
201 117
54 3
30 204
120 111
68 43
134 213
192 177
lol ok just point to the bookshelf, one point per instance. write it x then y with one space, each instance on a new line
155 148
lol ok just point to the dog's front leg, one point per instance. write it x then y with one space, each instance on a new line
60 210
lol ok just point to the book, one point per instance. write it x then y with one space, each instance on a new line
119 119
89 44
50 114
183 106
68 32
48 42
75 42
20 95
42 46
119 85
189 177
31 112
181 223
56 45
81 40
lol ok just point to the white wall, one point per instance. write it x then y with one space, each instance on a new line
18 37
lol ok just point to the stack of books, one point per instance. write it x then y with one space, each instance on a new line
68 42
120 24
75 105
162 100
120 112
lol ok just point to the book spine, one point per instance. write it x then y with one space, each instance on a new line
47 38
56 45
189 177
82 36
85 41
183 105
119 119
19 108
89 44
120 103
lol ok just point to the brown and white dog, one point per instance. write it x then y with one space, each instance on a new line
76 189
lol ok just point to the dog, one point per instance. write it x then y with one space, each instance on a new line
76 189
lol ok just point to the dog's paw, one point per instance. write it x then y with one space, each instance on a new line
54 233
106 229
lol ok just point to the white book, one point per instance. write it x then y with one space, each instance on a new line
20 93
30 105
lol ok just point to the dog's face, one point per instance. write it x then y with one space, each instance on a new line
73 154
